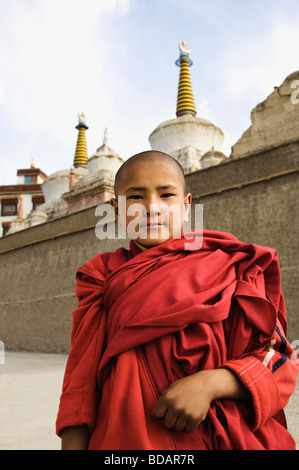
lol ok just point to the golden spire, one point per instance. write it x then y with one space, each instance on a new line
81 155
185 101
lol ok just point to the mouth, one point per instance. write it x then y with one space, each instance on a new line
152 225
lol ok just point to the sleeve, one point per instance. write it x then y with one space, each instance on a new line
79 398
258 350
270 374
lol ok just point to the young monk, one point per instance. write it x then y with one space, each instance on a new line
176 348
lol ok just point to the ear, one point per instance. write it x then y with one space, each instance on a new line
187 206
114 204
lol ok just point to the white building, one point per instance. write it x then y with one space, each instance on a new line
19 200
194 142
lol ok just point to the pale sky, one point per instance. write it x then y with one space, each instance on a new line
114 61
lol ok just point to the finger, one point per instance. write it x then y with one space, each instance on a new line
159 410
181 423
191 425
170 419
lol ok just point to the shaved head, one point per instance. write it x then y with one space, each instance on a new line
151 184
150 156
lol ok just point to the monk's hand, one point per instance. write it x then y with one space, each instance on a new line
185 403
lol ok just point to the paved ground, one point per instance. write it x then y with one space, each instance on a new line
30 386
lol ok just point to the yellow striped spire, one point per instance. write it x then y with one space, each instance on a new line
81 155
185 100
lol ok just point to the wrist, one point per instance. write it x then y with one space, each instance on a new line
223 384
75 438
215 384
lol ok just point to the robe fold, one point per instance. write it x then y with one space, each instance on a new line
146 319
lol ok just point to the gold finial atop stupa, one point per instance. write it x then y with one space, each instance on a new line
81 155
185 100
32 164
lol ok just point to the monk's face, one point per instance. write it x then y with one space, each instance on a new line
151 204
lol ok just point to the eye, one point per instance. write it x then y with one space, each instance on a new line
167 195
135 196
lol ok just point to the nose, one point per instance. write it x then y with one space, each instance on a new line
152 205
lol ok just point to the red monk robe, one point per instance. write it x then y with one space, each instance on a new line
146 319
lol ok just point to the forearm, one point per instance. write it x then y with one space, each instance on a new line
226 385
75 438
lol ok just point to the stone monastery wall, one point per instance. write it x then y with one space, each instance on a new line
253 197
